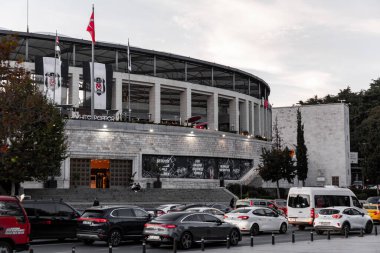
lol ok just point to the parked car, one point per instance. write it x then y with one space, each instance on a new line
15 226
281 205
154 211
221 207
213 211
257 219
373 211
373 200
342 219
51 219
167 207
184 207
189 228
112 224
261 202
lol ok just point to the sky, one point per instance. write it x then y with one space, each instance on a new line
301 48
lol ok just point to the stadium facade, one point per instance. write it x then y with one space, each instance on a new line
192 120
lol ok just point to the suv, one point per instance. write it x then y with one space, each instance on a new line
51 219
14 225
112 224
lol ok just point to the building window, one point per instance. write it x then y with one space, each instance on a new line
335 181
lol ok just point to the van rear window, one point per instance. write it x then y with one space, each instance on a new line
299 201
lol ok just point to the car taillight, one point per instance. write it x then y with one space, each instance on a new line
317 215
251 203
160 212
243 217
225 216
377 212
168 226
312 212
96 220
337 216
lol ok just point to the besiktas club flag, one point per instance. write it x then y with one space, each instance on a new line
52 79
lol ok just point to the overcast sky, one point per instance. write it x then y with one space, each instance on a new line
301 48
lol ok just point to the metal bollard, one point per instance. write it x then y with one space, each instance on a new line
273 242
110 248
31 250
175 246
345 233
328 235
311 236
293 237
203 244
228 241
361 232
376 230
251 240
3 251
73 250
143 246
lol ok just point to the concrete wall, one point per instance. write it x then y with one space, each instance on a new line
326 131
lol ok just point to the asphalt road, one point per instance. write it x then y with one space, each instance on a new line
53 246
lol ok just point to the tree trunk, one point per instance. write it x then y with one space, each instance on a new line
13 189
278 189
303 183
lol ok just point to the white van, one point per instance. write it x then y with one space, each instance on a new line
305 202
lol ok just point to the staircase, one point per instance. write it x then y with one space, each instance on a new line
82 198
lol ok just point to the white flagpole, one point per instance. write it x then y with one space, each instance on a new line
55 64
129 84
92 75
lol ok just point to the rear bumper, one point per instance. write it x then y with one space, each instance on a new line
22 247
300 221
92 236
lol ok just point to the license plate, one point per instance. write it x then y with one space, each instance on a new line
154 237
291 219
325 223
86 222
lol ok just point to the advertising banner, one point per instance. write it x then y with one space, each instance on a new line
52 79
195 167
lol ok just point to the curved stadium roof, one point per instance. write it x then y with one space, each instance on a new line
144 62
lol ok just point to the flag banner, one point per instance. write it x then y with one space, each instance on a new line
39 70
52 79
103 76
266 103
91 27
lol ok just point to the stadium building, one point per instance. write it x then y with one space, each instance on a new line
193 121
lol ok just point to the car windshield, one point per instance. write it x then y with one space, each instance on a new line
374 200
371 207
240 211
92 214
169 217
299 201
328 211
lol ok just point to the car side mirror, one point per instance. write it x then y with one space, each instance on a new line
219 222
362 214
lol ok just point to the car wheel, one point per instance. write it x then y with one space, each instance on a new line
283 228
319 232
186 240
345 229
255 230
234 237
115 238
88 242
154 244
368 227
5 247
301 227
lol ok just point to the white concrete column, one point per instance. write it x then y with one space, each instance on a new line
234 114
117 93
155 102
257 122
213 112
244 115
74 86
252 118
185 105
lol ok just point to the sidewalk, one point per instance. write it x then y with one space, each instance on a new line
366 244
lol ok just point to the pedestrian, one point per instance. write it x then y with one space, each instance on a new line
96 202
232 203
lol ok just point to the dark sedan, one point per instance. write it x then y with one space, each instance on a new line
189 228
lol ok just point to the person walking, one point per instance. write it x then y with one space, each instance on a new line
96 202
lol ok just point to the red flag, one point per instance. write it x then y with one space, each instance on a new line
266 104
91 27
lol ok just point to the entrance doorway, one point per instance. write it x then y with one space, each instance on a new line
100 174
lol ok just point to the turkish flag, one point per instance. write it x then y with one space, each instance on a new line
91 27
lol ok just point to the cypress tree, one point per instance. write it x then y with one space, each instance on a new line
301 151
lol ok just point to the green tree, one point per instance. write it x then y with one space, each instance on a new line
32 138
301 151
277 163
